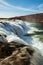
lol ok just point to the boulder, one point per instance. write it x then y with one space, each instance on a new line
25 55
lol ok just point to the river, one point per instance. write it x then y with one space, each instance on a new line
29 33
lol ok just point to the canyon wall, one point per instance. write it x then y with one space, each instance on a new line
31 18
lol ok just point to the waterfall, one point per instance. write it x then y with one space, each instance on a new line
21 32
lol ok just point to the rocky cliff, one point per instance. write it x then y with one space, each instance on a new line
31 18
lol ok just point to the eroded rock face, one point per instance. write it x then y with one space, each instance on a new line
23 55
6 49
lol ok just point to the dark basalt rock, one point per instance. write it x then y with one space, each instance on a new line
6 49
19 54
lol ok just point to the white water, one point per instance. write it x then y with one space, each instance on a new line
16 31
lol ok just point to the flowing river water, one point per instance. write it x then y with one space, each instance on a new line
29 33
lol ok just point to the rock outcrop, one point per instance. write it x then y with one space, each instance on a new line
19 54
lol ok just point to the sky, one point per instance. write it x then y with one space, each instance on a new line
12 8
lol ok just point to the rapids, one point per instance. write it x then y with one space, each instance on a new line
21 32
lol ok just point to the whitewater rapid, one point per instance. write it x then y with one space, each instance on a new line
17 30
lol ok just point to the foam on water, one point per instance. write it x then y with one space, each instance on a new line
16 31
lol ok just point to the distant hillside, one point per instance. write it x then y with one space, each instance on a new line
33 17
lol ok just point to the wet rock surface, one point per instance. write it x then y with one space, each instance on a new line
19 54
